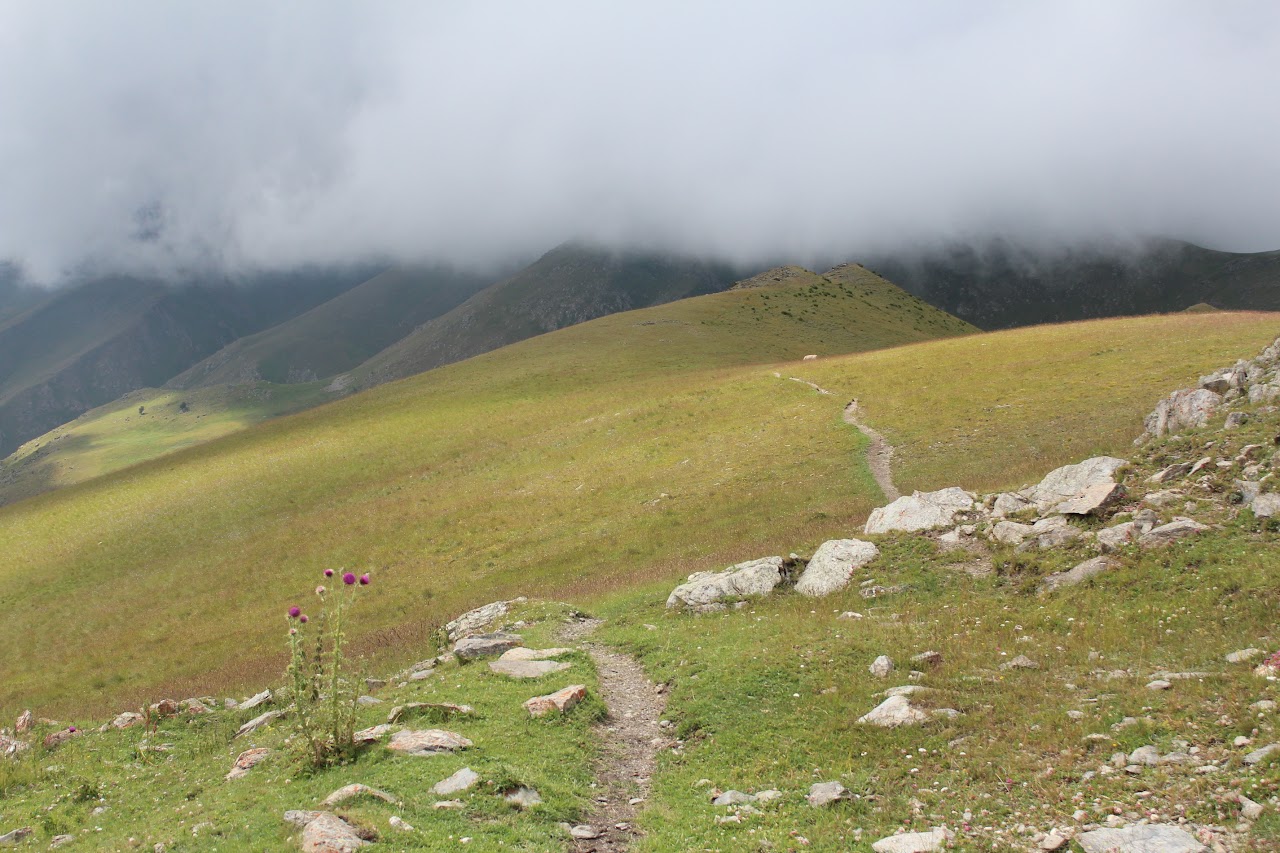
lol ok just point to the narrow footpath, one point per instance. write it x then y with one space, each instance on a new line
631 739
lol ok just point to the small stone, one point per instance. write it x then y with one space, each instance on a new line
300 817
329 833
1159 684
396 823
881 666
368 701
1147 755
1053 841
1249 810
523 798
59 840
246 761
582 832
562 701
826 793
24 723
350 792
912 842
1020 662
449 804
463 780
929 659
733 798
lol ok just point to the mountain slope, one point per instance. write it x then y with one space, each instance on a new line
1001 285
339 334
86 345
568 285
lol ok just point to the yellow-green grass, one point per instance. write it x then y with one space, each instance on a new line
116 436
538 469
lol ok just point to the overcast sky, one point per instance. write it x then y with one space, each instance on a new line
148 135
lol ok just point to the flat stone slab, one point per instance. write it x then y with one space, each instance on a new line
246 761
527 668
826 793
373 734
350 792
533 654
442 709
486 645
562 701
463 780
912 842
259 721
1167 534
919 511
833 564
1139 839
427 742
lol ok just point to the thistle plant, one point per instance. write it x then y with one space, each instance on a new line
322 687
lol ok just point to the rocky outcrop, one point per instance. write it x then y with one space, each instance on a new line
833 564
486 645
1071 482
710 591
479 620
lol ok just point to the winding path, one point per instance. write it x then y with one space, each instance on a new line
879 452
631 739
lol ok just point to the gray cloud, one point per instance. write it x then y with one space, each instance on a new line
158 135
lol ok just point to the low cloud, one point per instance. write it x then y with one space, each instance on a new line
157 136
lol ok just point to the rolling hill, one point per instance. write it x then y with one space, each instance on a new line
85 345
339 334
1000 284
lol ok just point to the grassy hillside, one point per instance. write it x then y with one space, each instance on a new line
568 285
448 485
339 334
580 462
1000 284
116 436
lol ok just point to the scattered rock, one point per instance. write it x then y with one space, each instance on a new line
14 837
1260 755
1159 684
881 666
368 701
258 722
930 659
523 798
327 833
427 742
708 591
1244 655
252 702
126 719
1147 756
373 734
396 823
1153 838
61 840
1266 505
527 668
246 761
919 511
486 645
55 739
733 798
24 723
1167 534
833 564
165 708
1052 532
1054 841
1020 662
463 780
350 792
1080 573
583 832
895 711
912 842
562 700
1176 471
826 793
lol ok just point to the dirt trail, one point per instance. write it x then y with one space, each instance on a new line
631 741
879 453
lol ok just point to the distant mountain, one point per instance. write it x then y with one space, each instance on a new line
570 284
14 296
1000 285
87 344
339 334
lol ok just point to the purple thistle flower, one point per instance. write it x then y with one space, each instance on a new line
320 590
328 573
303 618
292 631
364 579
294 611
71 729
349 578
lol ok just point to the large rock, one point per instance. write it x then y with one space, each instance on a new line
1007 503
1080 573
705 591
833 564
527 668
533 654
328 833
1114 538
1166 534
1185 409
1266 505
1051 532
15 837
920 511
562 701
1070 481
479 620
486 645
1094 500
427 742
826 793
912 842
1153 838
1010 532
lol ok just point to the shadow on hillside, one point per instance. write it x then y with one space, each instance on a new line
37 473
